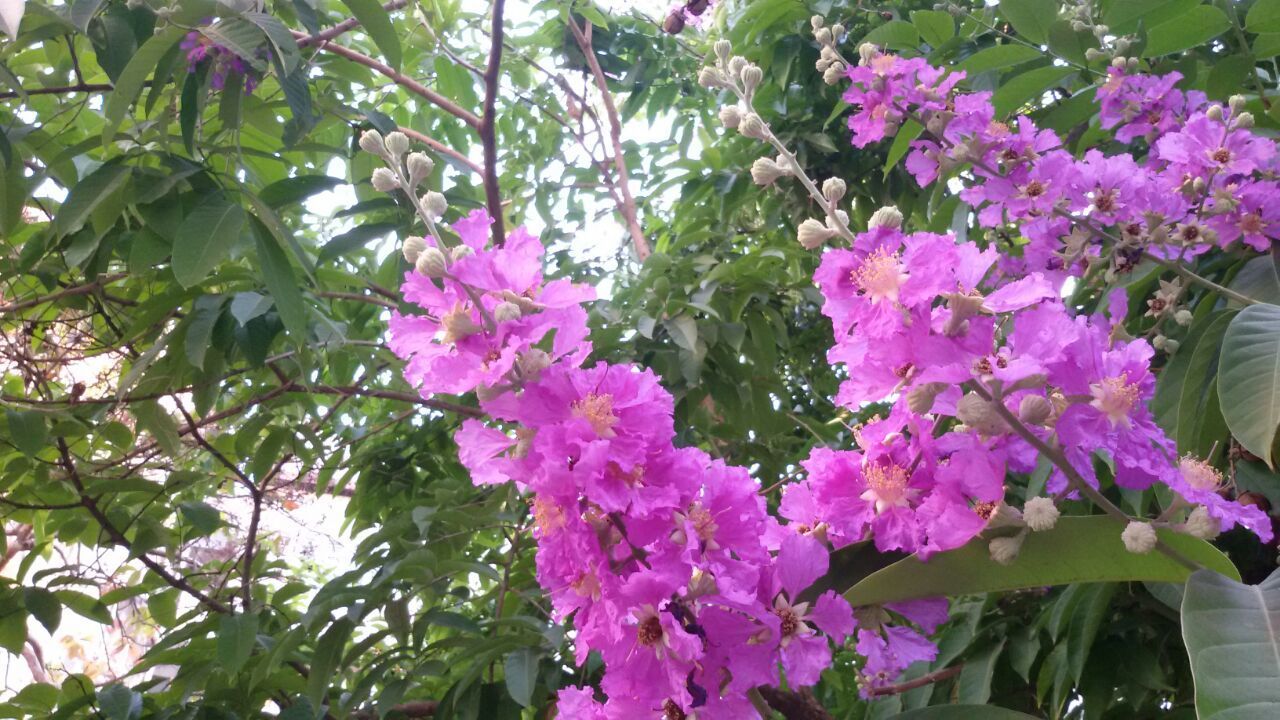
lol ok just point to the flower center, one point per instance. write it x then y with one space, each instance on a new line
790 623
1200 474
597 410
588 585
1115 398
672 711
547 515
1035 188
879 277
1222 156
704 523
649 633
1105 201
886 486
1251 224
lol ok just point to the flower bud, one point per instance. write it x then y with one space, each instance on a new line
736 63
384 180
1101 30
764 171
1079 25
1200 525
1236 102
753 127
434 204
431 262
1035 409
533 361
709 77
822 35
978 413
921 397
730 116
1004 517
813 234
1171 346
419 166
397 143
836 31
371 142
413 247
723 48
833 189
837 220
816 22
1183 317
1094 55
458 324
1244 120
867 52
506 311
1214 112
833 73
1041 514
751 77
461 251
1139 537
1132 65
1004 550
888 216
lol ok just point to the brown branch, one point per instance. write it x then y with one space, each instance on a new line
794 704
351 23
627 208
488 131
347 390
415 709
443 149
61 90
356 297
398 78
84 289
927 679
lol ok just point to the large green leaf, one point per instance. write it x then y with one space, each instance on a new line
86 195
237 635
205 238
1263 17
134 76
1249 378
1187 30
1031 18
1232 633
895 35
1082 549
377 22
1022 89
283 284
962 712
997 57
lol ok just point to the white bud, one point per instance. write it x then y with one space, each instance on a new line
1101 30
413 247
751 76
1214 112
709 77
397 143
1119 63
723 48
1034 409
1183 317
371 142
1171 346
461 251
1236 102
753 127
419 166
1132 65
813 234
980 414
1094 55
1139 537
867 52
1079 25
1158 342
434 204
384 180
1004 550
834 73
838 220
816 22
533 361
833 189
1005 517
1041 514
764 171
506 311
730 116
1200 525
431 262
736 63
836 31
823 35
1244 120
920 398
888 216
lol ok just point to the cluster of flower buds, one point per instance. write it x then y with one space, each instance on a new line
830 63
737 74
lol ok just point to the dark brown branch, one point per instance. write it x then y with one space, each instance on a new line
794 704
84 289
415 709
927 679
443 149
60 90
351 23
488 129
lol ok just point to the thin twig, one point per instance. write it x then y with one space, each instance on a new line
488 125
927 679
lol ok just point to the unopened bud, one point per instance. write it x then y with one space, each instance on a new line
1183 317
730 116
1244 120
1139 537
1035 409
461 251
813 234
1236 102
823 36
413 247
978 413
1040 514
533 361
506 311
1200 525
1004 550
888 216
1214 112
751 76
1004 517
1079 25
434 204
764 171
753 127
867 52
1119 63
397 143
836 31
833 73
920 398
1101 30
723 48
371 142
384 180
736 63
816 22
709 77
833 189
1132 65
1094 55
419 166
431 262
1171 346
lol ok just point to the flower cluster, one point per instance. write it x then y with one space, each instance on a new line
223 62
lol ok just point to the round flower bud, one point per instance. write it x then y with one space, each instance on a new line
1004 550
753 127
1139 537
1200 525
1079 25
813 234
730 116
816 22
384 180
413 247
1035 409
764 171
822 35
1236 102
1214 112
461 251
1183 317
533 361
1005 517
506 311
1132 65
371 142
1171 346
1119 63
833 189
1040 514
920 398
888 216
709 77
723 48
833 73
1101 30
397 143
978 413
1244 120
837 220
836 31
1094 55
736 63
435 204
419 166
751 77
431 262
867 52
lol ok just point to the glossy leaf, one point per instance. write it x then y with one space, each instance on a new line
206 238
1031 18
1195 27
1232 633
1249 378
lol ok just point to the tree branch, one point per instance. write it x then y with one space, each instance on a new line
794 704
351 23
84 289
488 131
927 679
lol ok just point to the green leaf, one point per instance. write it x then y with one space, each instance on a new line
1195 27
1080 549
909 131
377 22
82 11
296 189
201 516
962 712
895 35
997 57
1263 17
86 195
520 668
43 606
935 26
353 239
1232 632
1094 602
975 678
283 284
85 606
1031 18
324 661
27 430
1259 279
117 702
237 635
1266 45
240 37
205 238
129 85
208 308
1024 88
13 628
1249 378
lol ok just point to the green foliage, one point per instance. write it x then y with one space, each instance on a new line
1234 646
